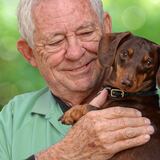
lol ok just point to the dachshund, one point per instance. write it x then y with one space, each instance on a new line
131 70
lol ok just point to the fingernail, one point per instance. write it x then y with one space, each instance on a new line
139 114
99 93
147 121
147 137
150 129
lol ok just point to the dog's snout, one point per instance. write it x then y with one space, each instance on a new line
127 82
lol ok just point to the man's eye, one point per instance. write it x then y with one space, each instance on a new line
56 43
86 33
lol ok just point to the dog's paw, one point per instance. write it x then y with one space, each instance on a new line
75 113
72 115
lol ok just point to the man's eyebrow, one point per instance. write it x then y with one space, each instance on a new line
52 35
86 25
83 26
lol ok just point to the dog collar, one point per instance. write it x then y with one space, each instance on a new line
117 93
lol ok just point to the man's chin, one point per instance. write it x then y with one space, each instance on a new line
82 86
84 83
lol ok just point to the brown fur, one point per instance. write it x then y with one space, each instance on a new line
131 64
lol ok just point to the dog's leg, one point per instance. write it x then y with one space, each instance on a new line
75 113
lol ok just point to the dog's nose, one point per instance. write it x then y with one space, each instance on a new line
127 82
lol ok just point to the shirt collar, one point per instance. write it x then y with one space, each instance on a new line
44 103
47 106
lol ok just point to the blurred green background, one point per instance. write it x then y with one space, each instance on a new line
142 17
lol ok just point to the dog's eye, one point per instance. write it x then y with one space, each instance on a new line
149 61
124 54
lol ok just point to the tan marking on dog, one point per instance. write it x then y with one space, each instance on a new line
130 52
141 79
146 57
120 73
138 80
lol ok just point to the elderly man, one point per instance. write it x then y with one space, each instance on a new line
61 38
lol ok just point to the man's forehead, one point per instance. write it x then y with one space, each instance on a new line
67 14
62 5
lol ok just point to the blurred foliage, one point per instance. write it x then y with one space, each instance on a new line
16 75
142 17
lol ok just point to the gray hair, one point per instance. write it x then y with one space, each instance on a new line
25 21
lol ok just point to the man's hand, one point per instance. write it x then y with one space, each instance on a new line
100 134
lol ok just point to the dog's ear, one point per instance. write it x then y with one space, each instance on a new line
108 47
158 72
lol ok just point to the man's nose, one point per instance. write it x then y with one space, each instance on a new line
75 49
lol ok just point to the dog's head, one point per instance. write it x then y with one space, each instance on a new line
133 61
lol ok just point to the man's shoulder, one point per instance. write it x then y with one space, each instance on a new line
25 100
30 95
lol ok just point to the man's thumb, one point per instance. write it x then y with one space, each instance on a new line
100 99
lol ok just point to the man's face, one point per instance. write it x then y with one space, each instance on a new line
67 34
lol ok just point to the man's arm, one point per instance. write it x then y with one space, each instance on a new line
6 121
101 134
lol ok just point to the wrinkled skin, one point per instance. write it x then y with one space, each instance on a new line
66 37
66 45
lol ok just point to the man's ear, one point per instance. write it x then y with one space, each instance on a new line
26 51
107 23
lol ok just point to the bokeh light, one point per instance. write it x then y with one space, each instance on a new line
133 17
156 2
8 50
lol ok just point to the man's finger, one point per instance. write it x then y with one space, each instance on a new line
129 143
128 133
117 112
121 123
100 99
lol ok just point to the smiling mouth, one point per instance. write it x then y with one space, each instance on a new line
82 69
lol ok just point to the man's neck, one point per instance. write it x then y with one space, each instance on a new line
78 97
73 98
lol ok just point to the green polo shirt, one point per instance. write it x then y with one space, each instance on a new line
28 124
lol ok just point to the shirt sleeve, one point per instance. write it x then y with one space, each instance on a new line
6 119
